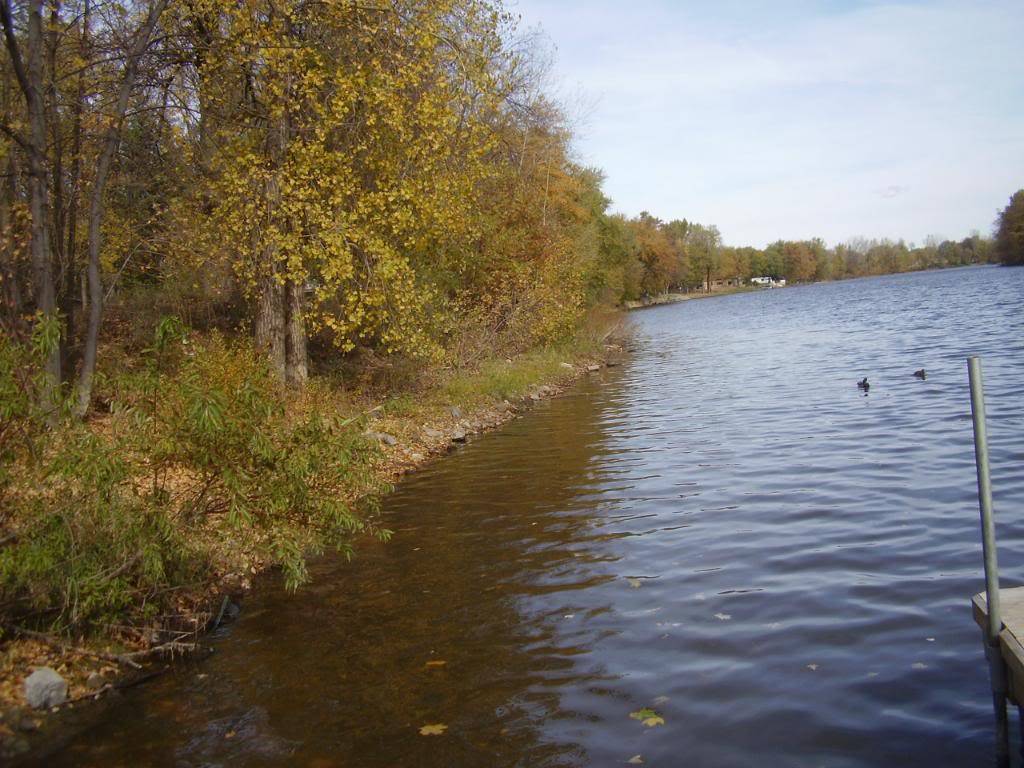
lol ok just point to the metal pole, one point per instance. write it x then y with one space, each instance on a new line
996 665
988 528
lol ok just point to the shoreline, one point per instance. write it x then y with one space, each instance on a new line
407 443
675 298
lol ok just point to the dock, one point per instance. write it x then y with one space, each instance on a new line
1011 636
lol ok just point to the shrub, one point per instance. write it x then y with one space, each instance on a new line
201 465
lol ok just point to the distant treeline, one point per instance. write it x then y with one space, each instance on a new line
659 256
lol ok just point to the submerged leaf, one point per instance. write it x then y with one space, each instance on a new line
435 729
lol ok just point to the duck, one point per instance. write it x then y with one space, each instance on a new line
921 374
863 384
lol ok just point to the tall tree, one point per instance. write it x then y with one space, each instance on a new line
703 245
104 159
1009 245
28 71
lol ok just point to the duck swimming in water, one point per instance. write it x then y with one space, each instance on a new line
863 384
921 374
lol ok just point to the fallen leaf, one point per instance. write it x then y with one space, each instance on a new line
647 717
229 735
636 760
436 663
723 616
634 583
812 667
436 729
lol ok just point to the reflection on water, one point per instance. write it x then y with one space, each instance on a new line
724 529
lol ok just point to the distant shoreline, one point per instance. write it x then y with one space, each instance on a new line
675 298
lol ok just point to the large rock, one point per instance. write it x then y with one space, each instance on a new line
45 688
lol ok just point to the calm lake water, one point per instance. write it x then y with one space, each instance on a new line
723 529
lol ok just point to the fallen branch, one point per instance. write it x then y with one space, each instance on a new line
61 645
169 648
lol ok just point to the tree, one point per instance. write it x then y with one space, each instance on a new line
104 160
29 72
703 245
1009 244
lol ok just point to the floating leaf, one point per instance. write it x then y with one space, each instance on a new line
434 663
647 717
812 667
435 729
634 583
636 760
723 616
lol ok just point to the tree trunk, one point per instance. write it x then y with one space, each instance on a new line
271 303
72 294
10 297
103 162
39 200
297 365
269 325
30 81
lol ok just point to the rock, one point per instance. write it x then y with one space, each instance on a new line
382 437
566 365
416 457
459 436
593 367
456 412
534 396
45 688
612 363
433 434
95 681
231 611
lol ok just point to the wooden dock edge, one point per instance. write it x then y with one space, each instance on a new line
1010 646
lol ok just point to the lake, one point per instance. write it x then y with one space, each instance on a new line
723 530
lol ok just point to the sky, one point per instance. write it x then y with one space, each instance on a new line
794 119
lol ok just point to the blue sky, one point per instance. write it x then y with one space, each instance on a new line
794 119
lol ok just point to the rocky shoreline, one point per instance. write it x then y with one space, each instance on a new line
675 298
42 677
